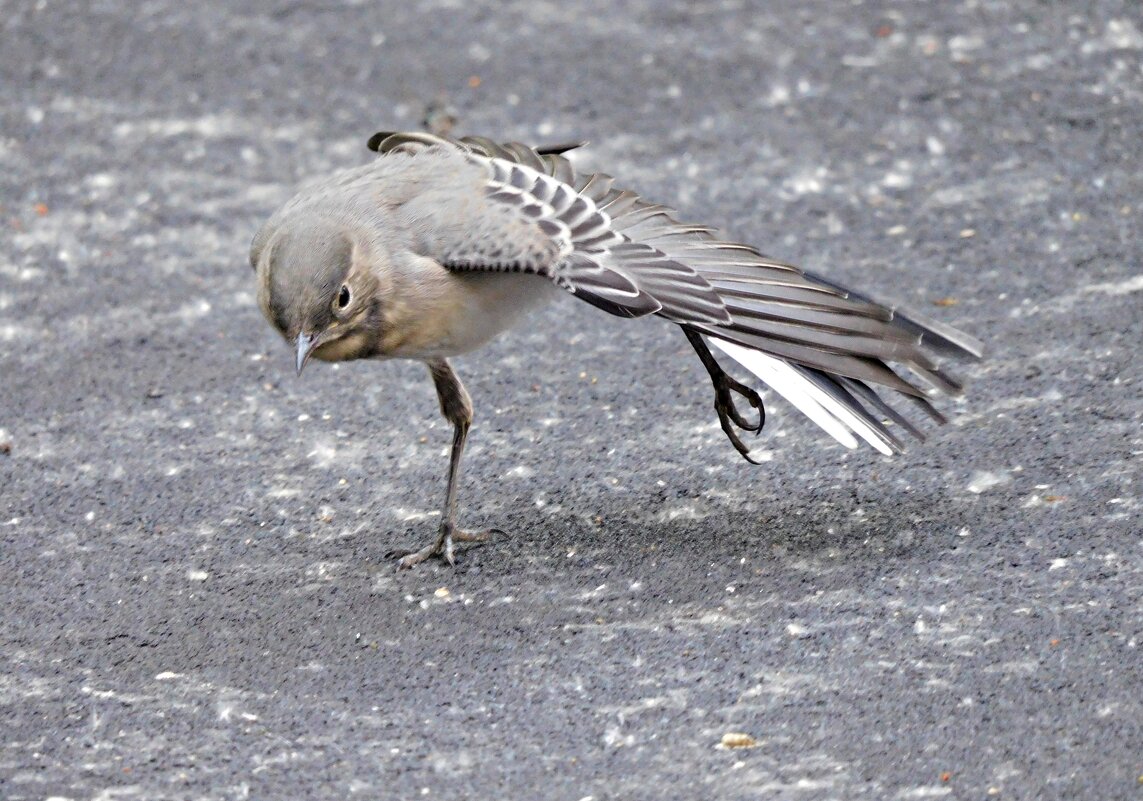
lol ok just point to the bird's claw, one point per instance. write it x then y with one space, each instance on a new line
724 386
729 415
724 401
443 547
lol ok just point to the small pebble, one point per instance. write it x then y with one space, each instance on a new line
737 739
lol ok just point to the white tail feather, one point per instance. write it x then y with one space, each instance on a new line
816 404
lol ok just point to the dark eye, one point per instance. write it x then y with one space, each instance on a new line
343 297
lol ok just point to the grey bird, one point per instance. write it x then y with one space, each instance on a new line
440 244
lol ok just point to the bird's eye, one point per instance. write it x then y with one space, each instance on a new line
343 297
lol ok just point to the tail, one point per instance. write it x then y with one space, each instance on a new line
831 372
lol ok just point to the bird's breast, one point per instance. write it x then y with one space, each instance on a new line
462 312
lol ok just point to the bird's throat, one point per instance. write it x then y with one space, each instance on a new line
351 346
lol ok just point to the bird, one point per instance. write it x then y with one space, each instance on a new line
441 243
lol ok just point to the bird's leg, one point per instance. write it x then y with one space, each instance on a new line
456 406
724 405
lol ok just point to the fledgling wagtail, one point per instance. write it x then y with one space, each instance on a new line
440 244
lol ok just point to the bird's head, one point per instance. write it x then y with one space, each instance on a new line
316 288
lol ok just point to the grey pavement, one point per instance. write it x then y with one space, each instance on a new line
197 602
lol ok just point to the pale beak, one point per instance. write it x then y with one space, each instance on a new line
306 343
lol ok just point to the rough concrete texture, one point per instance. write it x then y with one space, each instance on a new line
197 600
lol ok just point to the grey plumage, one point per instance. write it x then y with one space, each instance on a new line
440 244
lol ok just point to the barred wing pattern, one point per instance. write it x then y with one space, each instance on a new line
821 346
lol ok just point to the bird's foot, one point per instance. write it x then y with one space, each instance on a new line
729 415
444 546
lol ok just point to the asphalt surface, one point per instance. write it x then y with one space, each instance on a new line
197 600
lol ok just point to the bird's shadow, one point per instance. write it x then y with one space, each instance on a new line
856 525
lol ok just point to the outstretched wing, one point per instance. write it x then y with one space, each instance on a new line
817 343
